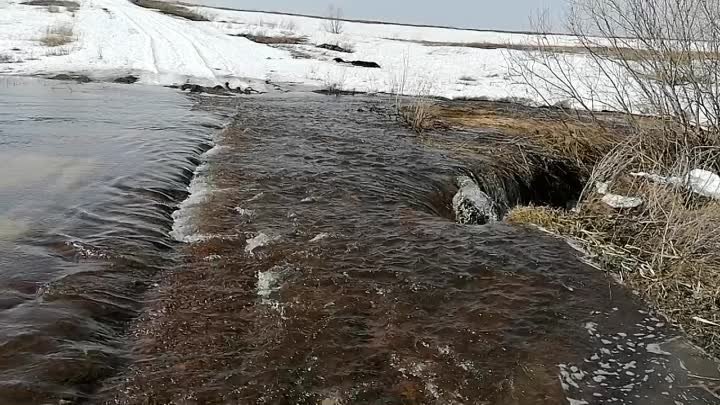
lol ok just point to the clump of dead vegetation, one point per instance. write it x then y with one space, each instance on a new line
69 5
643 214
667 249
171 9
58 35
274 40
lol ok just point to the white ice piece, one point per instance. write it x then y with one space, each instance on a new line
621 201
472 205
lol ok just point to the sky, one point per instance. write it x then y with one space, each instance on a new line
482 14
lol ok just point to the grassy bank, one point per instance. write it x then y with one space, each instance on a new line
666 248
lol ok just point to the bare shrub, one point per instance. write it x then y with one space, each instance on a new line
288 25
412 110
5 58
53 9
58 35
416 113
333 20
334 83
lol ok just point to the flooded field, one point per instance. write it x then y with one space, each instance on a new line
323 265
91 175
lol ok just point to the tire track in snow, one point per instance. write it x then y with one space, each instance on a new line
144 32
169 34
197 52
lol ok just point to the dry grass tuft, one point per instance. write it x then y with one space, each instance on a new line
416 115
58 35
171 9
58 51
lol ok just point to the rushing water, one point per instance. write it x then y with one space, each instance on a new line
324 267
90 177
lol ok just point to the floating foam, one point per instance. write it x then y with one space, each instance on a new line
320 237
258 241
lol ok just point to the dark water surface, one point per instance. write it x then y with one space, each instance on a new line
323 269
90 177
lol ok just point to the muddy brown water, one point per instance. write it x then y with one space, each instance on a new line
322 266
324 269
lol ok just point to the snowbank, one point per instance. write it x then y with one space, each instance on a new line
699 181
115 37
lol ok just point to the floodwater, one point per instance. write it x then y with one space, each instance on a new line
90 177
320 265
324 267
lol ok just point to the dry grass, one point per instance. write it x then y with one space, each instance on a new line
620 53
416 114
58 51
577 138
58 35
668 249
274 40
70 5
171 9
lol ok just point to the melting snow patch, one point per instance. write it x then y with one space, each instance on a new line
702 182
705 183
620 201
615 200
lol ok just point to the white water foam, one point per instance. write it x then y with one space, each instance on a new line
258 241
267 283
320 237
184 230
